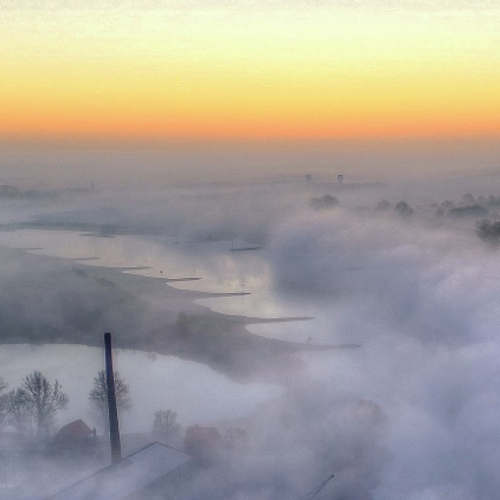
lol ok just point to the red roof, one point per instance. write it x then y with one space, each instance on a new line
74 431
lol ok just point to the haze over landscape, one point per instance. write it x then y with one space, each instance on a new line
169 172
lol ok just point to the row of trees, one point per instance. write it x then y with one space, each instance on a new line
165 425
32 407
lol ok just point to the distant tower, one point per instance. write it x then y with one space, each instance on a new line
340 178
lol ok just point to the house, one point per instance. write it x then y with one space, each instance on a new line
75 439
154 471
73 433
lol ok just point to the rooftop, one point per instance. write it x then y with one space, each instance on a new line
133 473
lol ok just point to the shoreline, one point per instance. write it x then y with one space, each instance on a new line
144 313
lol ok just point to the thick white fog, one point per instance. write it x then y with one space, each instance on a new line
423 303
413 413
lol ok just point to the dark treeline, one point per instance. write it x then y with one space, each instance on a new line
32 407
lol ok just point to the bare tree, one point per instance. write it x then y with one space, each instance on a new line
42 399
4 402
165 425
19 415
99 393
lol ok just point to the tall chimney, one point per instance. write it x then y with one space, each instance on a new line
114 430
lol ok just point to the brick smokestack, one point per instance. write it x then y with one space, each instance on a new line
114 430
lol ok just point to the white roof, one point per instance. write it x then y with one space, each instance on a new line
132 474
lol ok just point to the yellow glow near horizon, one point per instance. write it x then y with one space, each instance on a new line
248 73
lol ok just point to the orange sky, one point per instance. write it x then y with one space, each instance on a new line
255 70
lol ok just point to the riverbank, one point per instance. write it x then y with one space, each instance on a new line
48 300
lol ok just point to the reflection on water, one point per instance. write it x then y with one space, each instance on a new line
220 270
194 391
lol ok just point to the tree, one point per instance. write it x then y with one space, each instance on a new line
489 232
403 209
4 402
41 399
165 425
468 198
326 201
98 397
447 205
469 211
19 415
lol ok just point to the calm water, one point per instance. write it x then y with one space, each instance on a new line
160 382
219 270
198 394
157 382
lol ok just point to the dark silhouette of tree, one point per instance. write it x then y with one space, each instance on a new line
469 211
41 399
165 426
326 201
403 209
469 199
447 205
19 415
493 200
98 397
4 402
489 232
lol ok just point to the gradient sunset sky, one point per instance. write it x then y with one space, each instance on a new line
203 69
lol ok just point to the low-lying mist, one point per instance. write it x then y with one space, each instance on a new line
399 269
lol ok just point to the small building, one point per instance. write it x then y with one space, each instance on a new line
76 431
76 439
155 471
